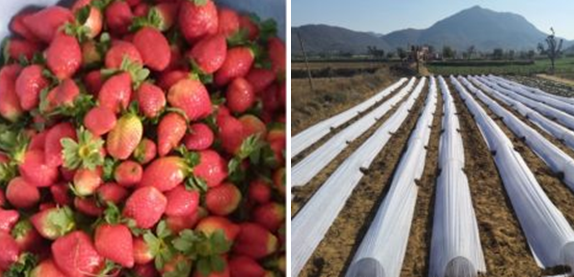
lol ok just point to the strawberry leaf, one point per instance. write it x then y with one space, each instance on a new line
137 72
219 244
131 223
199 2
112 213
7 172
101 4
5 51
83 14
152 19
196 183
109 168
204 267
162 231
60 221
23 267
239 38
86 153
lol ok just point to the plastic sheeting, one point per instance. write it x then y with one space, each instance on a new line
455 245
309 136
311 165
311 223
550 237
383 248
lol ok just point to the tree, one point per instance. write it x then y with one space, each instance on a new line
511 54
375 52
401 52
498 54
470 51
553 50
448 52
531 54
390 55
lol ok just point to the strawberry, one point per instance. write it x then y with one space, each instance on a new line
8 219
170 78
46 268
9 101
76 256
87 152
2 198
165 173
192 97
10 251
167 13
197 19
146 205
88 206
145 270
209 53
17 48
240 95
118 17
94 20
171 267
278 148
259 191
125 137
52 223
29 84
61 96
60 194
153 47
282 95
27 238
179 223
115 242
270 215
260 78
121 50
151 100
116 92
212 168
231 132
53 147
252 125
38 141
211 224
142 253
18 27
87 181
100 120
228 23
223 199
238 62
145 152
243 266
112 192
35 170
45 23
200 137
276 51
64 56
245 23
21 194
140 10
255 241
279 180
276 133
171 130
91 57
93 81
270 98
128 173
181 202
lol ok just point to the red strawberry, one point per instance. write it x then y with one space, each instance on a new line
116 92
9 101
53 146
171 130
179 223
122 49
64 56
270 98
93 81
211 224
141 9
115 242
45 23
168 13
276 50
46 268
35 170
238 62
53 222
223 199
10 251
8 219
88 206
197 19
192 97
100 120
38 141
246 23
252 125
200 137
260 78
278 148
61 96
270 215
243 266
18 27
282 94
29 84
151 99
146 270
228 23
60 194
2 198
259 191
86 181
145 152
146 206
181 202
27 238
76 256
255 241
125 137
165 173
170 266
118 17
276 133
94 22
240 95
128 173
21 194
209 53
17 48
153 47
279 180
231 132
170 78
112 192
141 251
212 168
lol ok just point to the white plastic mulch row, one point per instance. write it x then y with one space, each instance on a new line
383 248
455 245
550 237
313 221
556 159
309 136
562 103
311 165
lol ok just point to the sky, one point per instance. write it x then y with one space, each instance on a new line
384 16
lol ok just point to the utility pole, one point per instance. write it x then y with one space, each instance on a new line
306 62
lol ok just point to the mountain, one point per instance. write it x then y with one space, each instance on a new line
329 39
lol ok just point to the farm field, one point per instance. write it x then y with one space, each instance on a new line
374 178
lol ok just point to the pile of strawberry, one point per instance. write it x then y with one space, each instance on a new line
142 138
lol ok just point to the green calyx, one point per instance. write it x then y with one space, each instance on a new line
86 153
198 2
160 244
23 266
206 250
59 222
137 72
153 19
14 142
